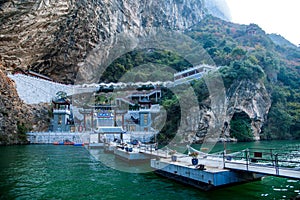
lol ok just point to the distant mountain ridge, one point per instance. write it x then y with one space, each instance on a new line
280 40
218 8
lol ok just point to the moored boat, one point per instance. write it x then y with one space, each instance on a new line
78 144
68 143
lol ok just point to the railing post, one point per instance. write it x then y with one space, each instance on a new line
247 159
224 159
276 164
167 152
272 157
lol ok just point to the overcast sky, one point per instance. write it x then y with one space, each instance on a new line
273 16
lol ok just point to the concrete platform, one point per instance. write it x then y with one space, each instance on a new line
134 156
209 178
110 147
96 145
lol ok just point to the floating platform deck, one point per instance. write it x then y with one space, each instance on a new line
96 145
109 148
205 178
133 156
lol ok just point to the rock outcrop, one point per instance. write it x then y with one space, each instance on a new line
252 99
16 117
12 111
207 123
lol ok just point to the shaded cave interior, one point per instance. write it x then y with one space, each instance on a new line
240 127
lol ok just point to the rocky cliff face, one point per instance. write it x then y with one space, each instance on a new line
245 96
13 113
16 117
52 36
252 99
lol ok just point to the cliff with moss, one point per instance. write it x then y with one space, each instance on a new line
261 79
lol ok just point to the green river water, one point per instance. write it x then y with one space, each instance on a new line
68 172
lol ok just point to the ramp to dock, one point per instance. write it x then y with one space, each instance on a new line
266 161
264 169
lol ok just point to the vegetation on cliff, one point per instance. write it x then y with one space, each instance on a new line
247 53
244 52
157 64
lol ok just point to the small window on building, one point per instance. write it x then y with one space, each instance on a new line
145 119
59 119
132 128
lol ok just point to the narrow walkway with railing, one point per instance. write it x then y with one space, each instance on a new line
33 90
266 161
51 137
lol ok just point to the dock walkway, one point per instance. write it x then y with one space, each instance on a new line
263 169
266 161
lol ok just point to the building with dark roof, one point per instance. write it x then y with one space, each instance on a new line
62 115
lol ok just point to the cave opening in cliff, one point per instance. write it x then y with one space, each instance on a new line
240 127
